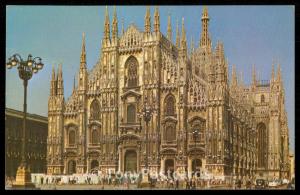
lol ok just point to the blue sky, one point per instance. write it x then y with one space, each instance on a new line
251 35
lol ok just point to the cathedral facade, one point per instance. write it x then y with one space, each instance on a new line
200 120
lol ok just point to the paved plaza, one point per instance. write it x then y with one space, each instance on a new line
132 187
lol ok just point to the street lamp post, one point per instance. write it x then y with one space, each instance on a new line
146 114
26 70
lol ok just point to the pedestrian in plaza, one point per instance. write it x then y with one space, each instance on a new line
177 184
193 184
187 184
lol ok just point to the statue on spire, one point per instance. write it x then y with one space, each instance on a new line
83 53
169 35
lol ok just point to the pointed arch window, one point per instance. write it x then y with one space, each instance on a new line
95 110
170 105
198 130
132 72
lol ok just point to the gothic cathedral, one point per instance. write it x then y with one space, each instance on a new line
199 120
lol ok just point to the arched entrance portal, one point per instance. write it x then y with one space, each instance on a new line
71 167
94 164
196 166
169 166
130 163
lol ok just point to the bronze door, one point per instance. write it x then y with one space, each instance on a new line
196 165
169 166
130 161
71 167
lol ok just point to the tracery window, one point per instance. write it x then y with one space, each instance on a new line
95 110
169 105
198 129
131 112
132 72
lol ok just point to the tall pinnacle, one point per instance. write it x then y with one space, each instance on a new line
115 25
74 84
148 20
123 26
169 35
183 36
233 76
205 40
156 20
273 73
106 25
53 82
53 73
278 73
253 75
192 45
177 35
59 76
83 54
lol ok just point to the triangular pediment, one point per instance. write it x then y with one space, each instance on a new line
130 93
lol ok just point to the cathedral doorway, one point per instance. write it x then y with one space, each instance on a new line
94 164
130 163
196 166
71 167
169 167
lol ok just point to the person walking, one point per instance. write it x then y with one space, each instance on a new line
177 184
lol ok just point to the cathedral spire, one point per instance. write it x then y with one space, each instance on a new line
183 35
192 45
205 40
53 83
222 51
83 53
241 79
115 25
106 25
169 35
59 75
74 85
123 26
253 75
278 74
156 20
273 73
177 34
148 20
53 73
233 76
60 87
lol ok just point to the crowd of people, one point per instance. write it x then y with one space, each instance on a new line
9 181
126 180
